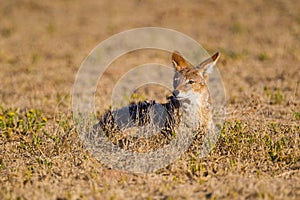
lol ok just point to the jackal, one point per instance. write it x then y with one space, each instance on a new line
190 98
191 90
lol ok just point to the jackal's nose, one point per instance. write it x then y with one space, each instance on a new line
175 93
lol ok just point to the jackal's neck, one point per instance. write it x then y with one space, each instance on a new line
197 108
189 106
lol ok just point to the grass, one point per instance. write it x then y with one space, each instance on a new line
297 115
275 97
12 120
7 32
237 28
267 150
257 155
51 28
263 56
235 55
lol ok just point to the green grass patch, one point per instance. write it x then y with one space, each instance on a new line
297 115
237 28
14 120
235 55
275 95
263 56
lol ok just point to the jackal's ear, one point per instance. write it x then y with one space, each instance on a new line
179 62
207 65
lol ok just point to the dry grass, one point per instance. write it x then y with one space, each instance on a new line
42 44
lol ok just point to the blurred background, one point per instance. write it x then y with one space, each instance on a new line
42 44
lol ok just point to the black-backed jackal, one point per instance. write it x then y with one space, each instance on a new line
190 98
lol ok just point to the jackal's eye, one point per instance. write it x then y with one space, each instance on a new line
191 82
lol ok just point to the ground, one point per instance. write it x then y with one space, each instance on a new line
42 45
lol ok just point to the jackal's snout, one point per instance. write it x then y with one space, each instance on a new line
175 93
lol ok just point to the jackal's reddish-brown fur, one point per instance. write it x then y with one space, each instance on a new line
191 90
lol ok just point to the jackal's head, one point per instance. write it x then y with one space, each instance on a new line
190 83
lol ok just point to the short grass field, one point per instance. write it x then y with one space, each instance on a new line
42 45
